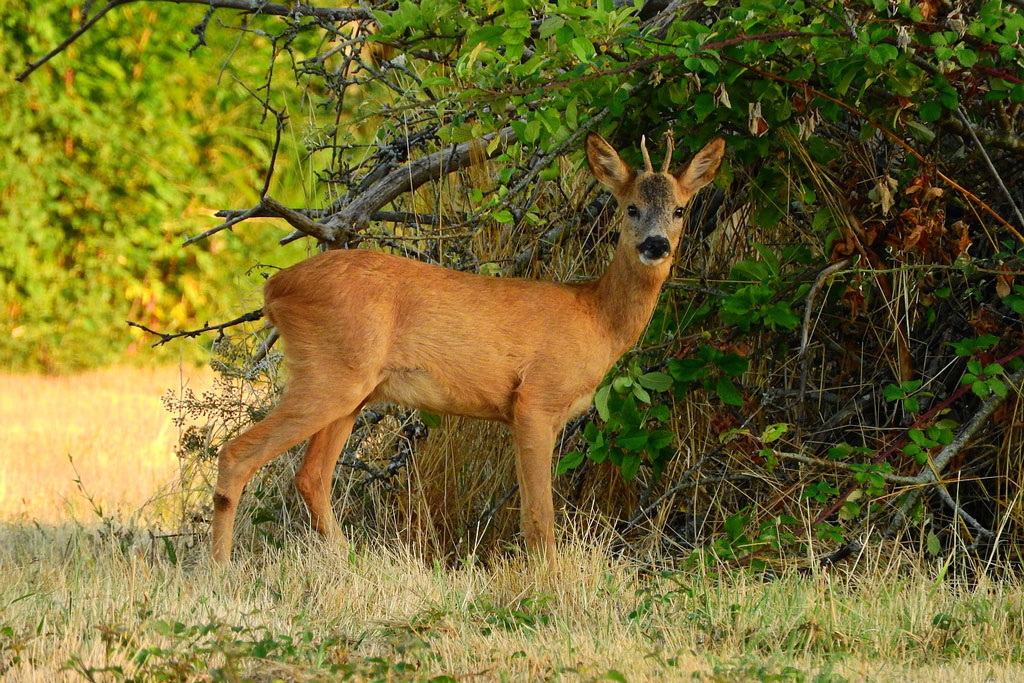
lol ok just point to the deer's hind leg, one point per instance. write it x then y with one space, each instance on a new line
301 413
313 480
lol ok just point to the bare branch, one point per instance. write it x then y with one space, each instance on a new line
292 9
933 470
301 221
357 214
226 225
164 338
32 66
299 9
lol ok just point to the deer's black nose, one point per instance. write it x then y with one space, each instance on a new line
654 248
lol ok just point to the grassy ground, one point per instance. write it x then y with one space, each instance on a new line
110 601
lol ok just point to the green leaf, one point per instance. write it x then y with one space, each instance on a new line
930 111
883 54
630 466
773 432
703 105
734 526
966 57
892 392
686 370
582 48
532 131
601 401
732 364
569 461
980 389
660 438
728 392
430 419
656 381
634 441
660 412
503 216
641 394
571 115
551 25
932 544
622 384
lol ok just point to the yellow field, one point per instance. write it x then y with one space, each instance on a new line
111 601
107 427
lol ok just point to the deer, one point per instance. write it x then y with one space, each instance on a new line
362 326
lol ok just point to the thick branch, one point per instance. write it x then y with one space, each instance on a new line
299 221
1010 143
357 214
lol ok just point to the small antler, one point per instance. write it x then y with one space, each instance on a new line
670 139
647 157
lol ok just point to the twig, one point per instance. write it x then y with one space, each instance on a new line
337 14
849 467
819 282
32 66
357 214
812 294
164 338
265 346
301 221
226 225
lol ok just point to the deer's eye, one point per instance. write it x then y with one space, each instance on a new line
632 211
679 212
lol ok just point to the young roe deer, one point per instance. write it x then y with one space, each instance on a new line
362 326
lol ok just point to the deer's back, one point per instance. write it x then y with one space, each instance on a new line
433 337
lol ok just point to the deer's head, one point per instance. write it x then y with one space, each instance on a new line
653 201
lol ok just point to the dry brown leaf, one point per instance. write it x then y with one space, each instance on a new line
1004 281
928 8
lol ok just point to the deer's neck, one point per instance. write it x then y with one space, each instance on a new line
625 296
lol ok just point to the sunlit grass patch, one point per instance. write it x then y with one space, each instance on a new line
107 428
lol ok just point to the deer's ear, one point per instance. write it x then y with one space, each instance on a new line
606 164
703 167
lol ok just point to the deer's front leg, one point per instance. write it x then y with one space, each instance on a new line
535 439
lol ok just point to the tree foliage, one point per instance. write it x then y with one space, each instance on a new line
112 154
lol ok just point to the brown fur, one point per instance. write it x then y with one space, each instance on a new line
362 326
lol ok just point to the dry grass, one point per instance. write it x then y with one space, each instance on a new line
109 423
381 614
112 602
